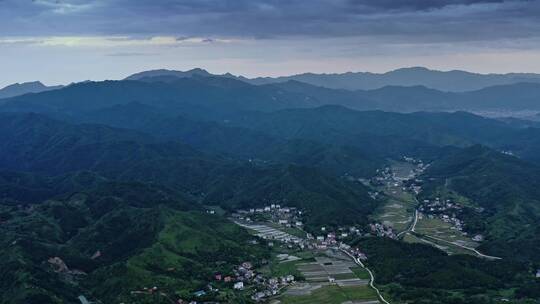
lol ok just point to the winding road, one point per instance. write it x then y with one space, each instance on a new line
372 277
464 247
412 228
420 236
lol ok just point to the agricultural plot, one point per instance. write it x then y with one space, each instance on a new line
331 279
398 210
439 229
270 233
290 230
334 294
395 213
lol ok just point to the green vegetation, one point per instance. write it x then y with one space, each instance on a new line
397 206
396 213
438 228
290 230
116 185
326 201
127 155
507 191
183 258
333 294
144 237
360 273
410 272
137 207
278 269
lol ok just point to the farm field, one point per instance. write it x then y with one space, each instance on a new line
333 294
290 230
330 279
438 228
398 210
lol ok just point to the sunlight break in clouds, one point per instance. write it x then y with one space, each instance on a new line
112 41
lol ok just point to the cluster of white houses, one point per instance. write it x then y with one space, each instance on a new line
242 277
386 177
269 223
382 230
448 211
263 220
287 216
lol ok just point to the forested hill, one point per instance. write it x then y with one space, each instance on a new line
506 188
112 238
114 201
37 144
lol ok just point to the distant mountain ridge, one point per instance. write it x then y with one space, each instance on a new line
165 72
451 81
25 88
223 93
210 93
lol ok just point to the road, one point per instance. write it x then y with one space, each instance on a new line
465 247
412 227
372 277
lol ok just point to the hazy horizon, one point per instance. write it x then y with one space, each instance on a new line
262 74
62 41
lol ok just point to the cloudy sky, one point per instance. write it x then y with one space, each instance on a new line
59 41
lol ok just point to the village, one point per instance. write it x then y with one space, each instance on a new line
396 187
436 220
446 210
282 226
322 259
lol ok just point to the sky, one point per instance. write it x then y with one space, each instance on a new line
63 41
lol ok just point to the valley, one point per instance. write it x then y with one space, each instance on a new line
326 270
269 152
432 223
150 197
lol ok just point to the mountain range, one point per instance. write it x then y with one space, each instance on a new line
216 97
450 81
514 97
25 88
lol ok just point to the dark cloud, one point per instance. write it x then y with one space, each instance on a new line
389 20
417 4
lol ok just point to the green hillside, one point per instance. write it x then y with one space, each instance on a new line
327 200
140 231
505 187
206 177
419 273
